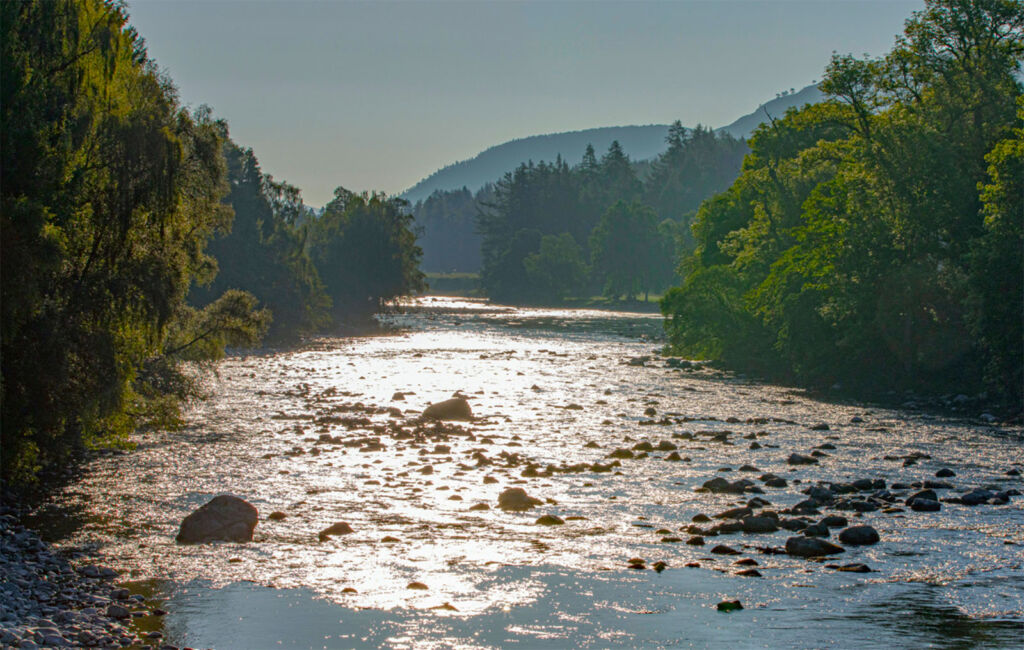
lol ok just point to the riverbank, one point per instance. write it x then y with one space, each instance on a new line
55 599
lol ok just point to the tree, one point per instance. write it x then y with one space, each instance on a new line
264 253
623 248
557 270
110 192
365 252
856 237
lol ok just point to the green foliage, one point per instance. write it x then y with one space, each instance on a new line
634 248
557 270
365 252
855 245
996 280
110 192
264 253
624 247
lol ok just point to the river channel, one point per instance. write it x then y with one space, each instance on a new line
316 433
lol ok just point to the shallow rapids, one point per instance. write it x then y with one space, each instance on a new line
317 433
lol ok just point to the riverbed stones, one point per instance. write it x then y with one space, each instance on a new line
859 536
811 547
118 612
835 521
517 500
456 408
224 518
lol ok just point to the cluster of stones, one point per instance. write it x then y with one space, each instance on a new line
46 602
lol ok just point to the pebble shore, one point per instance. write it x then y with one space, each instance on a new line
46 601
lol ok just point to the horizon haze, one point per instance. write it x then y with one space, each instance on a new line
377 96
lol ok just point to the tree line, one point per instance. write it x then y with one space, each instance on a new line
136 237
607 225
875 238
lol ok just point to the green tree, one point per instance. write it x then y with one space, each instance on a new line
557 270
110 192
855 236
365 252
624 249
264 253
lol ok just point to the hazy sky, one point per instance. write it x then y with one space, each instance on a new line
377 95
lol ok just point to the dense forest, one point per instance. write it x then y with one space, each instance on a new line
875 238
446 229
117 204
552 231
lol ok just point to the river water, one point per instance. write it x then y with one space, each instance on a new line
315 433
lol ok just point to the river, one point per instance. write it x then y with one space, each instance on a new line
293 431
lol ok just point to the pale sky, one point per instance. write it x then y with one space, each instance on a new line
378 95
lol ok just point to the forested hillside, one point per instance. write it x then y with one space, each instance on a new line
446 229
875 238
554 231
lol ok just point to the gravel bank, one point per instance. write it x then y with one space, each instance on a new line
48 602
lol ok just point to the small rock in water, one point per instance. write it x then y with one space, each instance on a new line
417 586
811 547
722 549
118 612
225 517
516 499
339 528
859 536
800 459
945 472
550 520
855 568
730 606
456 408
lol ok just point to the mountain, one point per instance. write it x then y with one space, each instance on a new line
639 142
744 126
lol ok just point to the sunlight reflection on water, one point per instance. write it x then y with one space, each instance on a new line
261 436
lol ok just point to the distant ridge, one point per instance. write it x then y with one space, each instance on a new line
775 108
639 142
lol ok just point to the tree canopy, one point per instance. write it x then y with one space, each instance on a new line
875 238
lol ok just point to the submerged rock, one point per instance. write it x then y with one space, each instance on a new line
760 525
800 459
224 518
